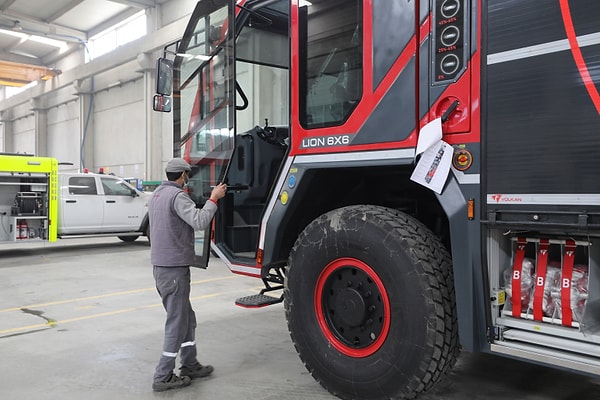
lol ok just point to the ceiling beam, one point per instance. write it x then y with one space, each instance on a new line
37 26
18 58
58 54
129 52
136 3
17 41
6 4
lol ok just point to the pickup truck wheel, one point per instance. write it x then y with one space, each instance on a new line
128 238
369 301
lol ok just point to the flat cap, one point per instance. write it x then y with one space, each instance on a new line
177 165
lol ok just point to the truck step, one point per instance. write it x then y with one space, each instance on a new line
257 301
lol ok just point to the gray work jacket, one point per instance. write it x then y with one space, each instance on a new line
173 220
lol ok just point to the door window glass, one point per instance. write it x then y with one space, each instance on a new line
82 185
115 187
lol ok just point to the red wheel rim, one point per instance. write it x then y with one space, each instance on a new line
352 307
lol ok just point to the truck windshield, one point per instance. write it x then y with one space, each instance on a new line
203 96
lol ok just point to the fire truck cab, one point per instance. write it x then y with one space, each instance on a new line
314 114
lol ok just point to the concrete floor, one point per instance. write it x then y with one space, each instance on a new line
80 319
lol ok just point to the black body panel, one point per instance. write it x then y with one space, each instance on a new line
512 25
394 117
543 127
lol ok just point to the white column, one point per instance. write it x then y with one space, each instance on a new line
40 115
84 88
7 144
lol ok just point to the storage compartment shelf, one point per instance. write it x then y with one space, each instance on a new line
18 183
553 342
548 320
548 329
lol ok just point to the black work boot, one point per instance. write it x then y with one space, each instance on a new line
196 371
171 382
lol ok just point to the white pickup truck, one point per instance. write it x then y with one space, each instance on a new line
100 205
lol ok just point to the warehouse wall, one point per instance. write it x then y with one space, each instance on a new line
100 114
24 134
63 132
118 110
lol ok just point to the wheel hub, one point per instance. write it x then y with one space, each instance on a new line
352 306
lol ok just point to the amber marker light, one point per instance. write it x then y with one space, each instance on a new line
471 208
259 256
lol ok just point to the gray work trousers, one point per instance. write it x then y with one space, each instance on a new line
173 285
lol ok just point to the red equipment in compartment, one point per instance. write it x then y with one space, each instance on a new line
552 289
22 230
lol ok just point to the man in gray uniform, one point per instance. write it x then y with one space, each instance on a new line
173 220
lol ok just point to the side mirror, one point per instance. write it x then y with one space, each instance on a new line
161 103
164 76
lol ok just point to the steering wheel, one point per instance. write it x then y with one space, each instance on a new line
269 135
260 132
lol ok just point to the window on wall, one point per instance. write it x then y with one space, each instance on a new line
124 32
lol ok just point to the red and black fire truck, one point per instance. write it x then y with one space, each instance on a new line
312 112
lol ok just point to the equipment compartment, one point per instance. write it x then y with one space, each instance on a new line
557 284
23 206
28 188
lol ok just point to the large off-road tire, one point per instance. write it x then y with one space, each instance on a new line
369 301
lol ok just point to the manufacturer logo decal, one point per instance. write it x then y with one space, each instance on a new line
500 198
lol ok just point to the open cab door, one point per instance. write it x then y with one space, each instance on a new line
261 131
231 118
203 103
231 96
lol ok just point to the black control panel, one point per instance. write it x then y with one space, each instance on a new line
449 39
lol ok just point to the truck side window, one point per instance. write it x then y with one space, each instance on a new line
331 64
115 187
82 185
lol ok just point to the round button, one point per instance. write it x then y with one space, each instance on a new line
292 181
450 36
449 64
450 8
